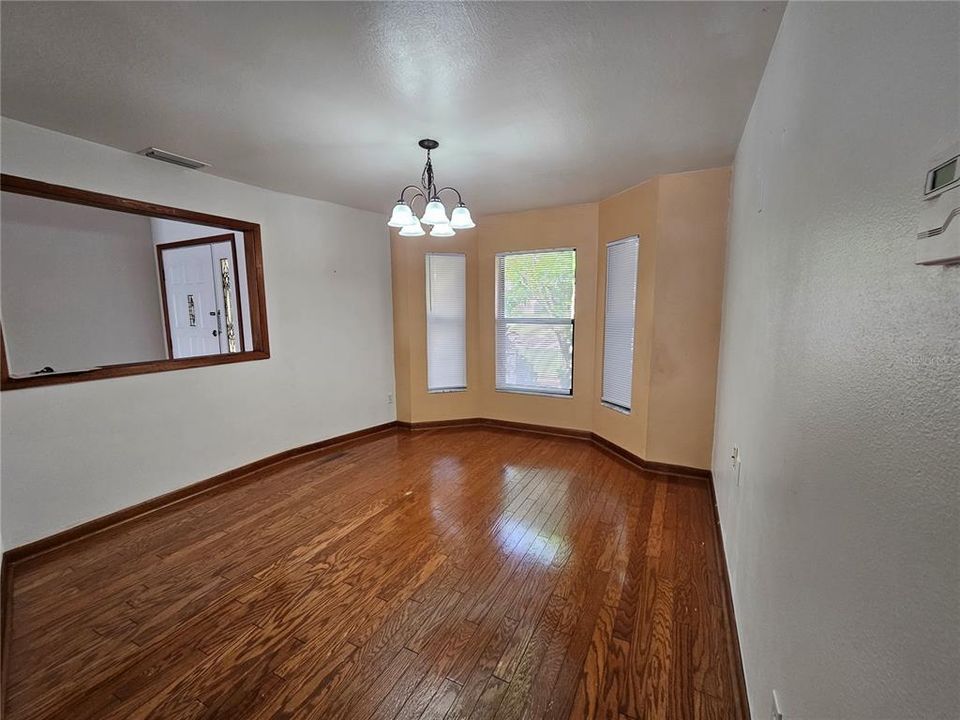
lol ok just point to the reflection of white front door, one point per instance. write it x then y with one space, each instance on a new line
197 319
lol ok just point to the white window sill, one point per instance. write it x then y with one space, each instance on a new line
615 408
538 393
442 391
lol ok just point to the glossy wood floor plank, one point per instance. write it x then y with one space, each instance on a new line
456 573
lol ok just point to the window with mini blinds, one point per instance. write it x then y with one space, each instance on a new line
618 323
446 322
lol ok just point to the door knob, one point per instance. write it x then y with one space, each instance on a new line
214 333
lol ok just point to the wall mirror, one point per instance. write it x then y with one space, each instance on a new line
95 286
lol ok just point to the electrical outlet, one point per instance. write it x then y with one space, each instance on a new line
389 398
775 713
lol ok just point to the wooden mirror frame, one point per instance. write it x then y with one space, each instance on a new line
256 301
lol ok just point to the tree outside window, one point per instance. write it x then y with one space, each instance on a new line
535 308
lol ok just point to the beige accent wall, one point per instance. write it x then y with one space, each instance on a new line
681 221
414 403
691 242
632 212
572 226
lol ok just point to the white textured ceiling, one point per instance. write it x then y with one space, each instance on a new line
534 104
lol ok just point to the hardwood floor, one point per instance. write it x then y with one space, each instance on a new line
459 573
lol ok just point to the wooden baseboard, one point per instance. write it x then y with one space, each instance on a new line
735 659
436 424
6 626
492 423
653 466
539 429
602 442
217 483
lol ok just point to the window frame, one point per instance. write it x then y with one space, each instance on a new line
616 407
256 301
500 317
426 287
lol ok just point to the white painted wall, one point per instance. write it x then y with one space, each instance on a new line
840 372
79 286
71 453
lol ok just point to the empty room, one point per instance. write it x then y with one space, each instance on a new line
488 360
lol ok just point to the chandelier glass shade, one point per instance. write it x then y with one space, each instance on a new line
460 218
413 229
402 215
434 211
442 230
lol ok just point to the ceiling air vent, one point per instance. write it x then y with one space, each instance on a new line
173 158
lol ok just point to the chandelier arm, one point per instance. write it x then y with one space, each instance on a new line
415 187
459 199
418 195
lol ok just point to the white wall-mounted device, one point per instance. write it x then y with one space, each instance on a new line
938 236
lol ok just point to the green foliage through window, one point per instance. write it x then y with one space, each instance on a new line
535 305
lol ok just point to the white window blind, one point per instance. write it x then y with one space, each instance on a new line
534 321
618 322
446 321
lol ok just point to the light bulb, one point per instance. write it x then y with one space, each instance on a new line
402 216
460 218
442 230
435 214
414 229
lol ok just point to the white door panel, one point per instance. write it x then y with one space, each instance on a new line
191 300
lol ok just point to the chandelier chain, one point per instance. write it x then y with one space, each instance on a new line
426 179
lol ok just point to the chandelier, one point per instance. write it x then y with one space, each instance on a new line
434 213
